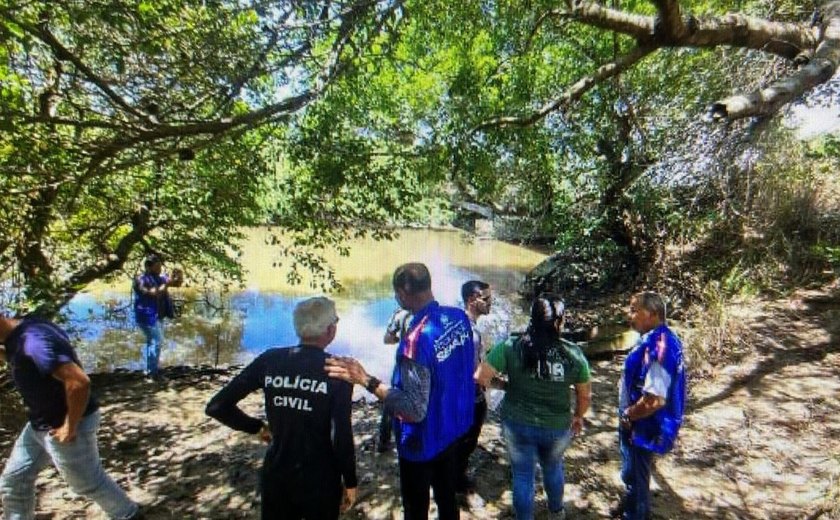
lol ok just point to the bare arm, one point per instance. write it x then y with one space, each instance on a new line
646 406
583 397
484 374
77 392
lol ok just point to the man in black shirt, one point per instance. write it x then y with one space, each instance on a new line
309 425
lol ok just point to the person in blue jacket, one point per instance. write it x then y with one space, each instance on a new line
652 395
432 394
151 305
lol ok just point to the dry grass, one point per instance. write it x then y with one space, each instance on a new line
717 334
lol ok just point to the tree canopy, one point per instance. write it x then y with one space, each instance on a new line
131 126
168 125
577 121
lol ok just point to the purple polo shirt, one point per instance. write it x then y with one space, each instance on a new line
35 349
147 308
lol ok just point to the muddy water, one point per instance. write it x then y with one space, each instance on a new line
218 328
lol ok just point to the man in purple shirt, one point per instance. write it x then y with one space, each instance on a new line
63 420
151 305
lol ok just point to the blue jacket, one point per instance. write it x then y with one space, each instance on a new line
658 432
439 339
147 308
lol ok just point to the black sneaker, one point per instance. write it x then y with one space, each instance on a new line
465 485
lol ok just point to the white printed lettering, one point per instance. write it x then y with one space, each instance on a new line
297 403
296 383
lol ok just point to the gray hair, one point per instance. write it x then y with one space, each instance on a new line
313 316
652 302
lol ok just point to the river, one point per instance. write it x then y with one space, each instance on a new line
232 328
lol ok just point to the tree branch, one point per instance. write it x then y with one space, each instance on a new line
737 30
291 104
638 26
62 53
574 91
109 263
769 100
669 29
669 24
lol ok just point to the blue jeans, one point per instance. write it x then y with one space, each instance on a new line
77 462
635 472
154 340
527 444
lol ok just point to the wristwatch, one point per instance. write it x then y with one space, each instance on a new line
372 384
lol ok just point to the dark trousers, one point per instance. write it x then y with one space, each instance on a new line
280 504
439 473
469 444
385 428
635 472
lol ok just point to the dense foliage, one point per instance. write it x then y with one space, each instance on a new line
169 125
135 126
629 167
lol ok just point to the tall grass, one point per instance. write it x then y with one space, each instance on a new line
715 333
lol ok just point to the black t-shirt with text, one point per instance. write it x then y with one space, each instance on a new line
309 415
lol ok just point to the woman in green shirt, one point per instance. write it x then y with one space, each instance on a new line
537 420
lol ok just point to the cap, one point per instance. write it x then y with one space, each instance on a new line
153 258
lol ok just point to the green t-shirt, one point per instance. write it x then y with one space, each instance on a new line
541 402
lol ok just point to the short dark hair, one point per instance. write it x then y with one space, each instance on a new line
152 259
413 278
651 302
472 287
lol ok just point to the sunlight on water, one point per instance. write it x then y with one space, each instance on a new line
371 263
236 328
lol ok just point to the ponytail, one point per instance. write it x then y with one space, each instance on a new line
541 334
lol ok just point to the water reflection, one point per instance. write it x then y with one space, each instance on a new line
232 329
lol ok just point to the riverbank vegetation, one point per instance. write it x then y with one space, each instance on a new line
168 126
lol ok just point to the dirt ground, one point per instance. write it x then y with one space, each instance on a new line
761 440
